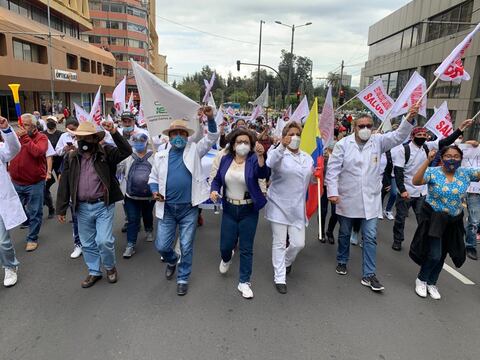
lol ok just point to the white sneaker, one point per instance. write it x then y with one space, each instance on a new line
389 215
149 236
224 266
421 288
433 292
10 277
77 251
246 290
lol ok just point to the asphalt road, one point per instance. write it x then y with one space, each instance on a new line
47 315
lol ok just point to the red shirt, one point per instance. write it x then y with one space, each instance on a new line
30 165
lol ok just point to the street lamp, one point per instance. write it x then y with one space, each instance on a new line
290 68
259 56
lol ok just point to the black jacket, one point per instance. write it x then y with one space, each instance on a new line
435 224
105 160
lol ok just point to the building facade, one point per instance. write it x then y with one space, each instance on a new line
76 69
419 36
126 28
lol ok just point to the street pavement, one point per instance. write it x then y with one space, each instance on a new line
47 315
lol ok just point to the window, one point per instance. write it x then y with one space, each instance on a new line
93 66
107 70
99 68
392 85
3 45
94 39
459 13
23 50
137 28
136 44
72 62
442 89
95 5
120 73
84 64
137 12
118 8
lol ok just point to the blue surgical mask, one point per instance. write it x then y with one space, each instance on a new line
452 165
178 142
139 146
128 129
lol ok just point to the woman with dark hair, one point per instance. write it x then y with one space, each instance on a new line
440 229
237 180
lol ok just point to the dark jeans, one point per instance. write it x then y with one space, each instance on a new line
47 196
76 236
239 222
403 205
392 195
333 214
430 270
136 209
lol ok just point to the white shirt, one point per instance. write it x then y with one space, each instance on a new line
291 175
65 138
417 158
354 174
50 150
235 186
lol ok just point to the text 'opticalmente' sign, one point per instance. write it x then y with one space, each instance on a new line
65 75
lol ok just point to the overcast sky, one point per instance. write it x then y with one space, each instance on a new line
217 33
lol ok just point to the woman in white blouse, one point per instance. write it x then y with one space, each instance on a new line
292 171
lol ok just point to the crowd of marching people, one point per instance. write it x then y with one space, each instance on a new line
161 182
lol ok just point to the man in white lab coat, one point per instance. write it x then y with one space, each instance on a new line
11 209
354 184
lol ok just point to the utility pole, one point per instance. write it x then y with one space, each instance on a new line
290 68
50 57
341 78
259 57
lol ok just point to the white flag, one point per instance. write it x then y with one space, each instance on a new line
162 103
327 119
256 113
141 116
208 88
411 93
118 96
262 100
130 105
219 117
81 114
301 112
376 99
96 111
440 123
279 128
211 102
452 69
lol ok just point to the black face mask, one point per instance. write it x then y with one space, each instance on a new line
419 141
85 146
51 125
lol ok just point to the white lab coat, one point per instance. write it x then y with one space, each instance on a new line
192 156
355 175
11 209
291 175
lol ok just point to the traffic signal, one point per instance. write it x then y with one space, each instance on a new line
298 95
238 65
341 97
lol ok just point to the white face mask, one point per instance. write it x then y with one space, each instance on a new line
364 134
295 142
242 149
458 141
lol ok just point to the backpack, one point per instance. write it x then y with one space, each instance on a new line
137 183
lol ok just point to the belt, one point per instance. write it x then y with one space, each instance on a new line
94 201
239 202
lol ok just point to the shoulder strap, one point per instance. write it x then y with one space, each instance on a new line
135 157
147 156
388 154
407 152
425 148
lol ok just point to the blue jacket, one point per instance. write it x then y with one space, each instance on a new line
252 173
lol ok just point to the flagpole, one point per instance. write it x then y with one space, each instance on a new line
475 116
319 210
345 103
428 90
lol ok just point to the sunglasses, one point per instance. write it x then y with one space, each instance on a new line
363 126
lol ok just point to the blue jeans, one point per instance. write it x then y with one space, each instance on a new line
392 196
95 222
7 251
369 236
239 223
135 210
430 270
473 204
32 197
186 217
76 237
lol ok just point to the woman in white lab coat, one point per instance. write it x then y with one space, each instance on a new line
292 171
11 209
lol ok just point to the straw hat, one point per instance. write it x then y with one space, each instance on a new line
88 128
179 125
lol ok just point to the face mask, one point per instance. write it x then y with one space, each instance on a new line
419 141
85 146
32 132
139 146
242 149
295 142
51 125
179 142
458 141
451 166
128 129
364 134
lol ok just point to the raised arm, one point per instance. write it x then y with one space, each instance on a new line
12 144
394 138
419 177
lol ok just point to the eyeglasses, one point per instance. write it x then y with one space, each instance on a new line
246 142
452 157
363 126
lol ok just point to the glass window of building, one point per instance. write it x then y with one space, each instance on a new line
118 8
84 64
392 85
137 28
23 50
136 12
459 13
72 61
442 89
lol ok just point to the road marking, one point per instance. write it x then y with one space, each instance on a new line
457 275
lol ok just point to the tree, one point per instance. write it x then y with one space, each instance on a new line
191 89
174 85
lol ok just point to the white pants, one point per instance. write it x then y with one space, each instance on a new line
281 255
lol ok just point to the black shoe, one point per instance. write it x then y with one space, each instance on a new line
289 269
341 269
170 271
322 240
124 228
330 238
397 246
182 289
281 288
373 283
472 253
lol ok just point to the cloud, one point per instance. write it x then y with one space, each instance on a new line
217 33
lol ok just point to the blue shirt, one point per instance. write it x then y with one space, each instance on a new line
179 179
445 196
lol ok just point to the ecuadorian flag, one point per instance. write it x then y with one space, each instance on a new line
311 143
